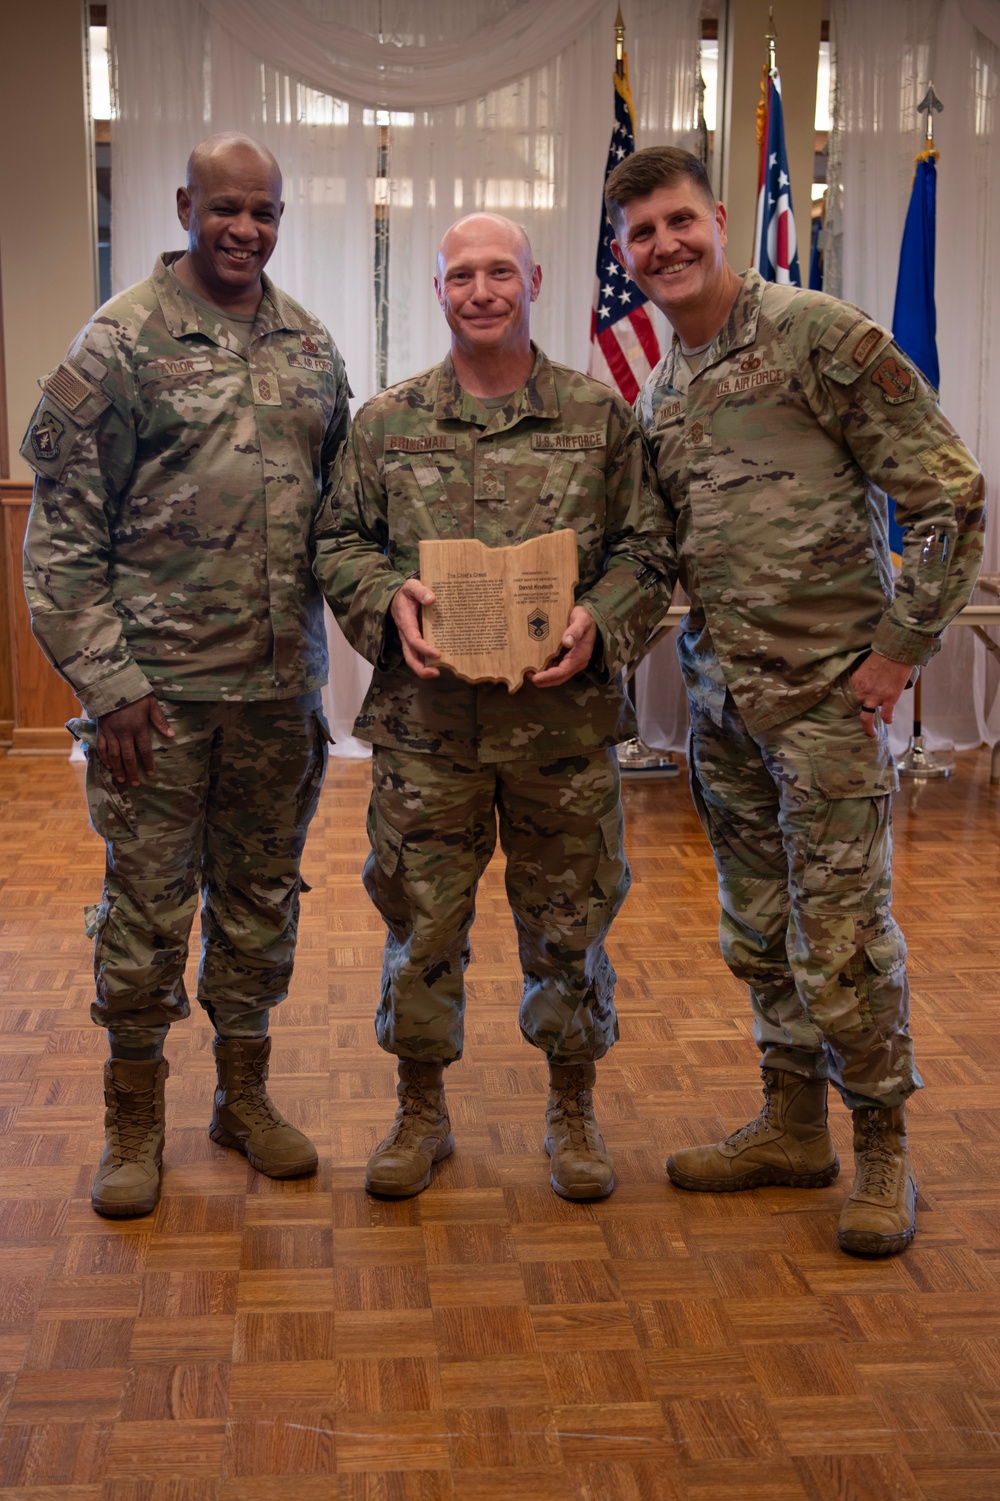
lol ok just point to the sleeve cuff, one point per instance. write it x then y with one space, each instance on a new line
899 644
124 687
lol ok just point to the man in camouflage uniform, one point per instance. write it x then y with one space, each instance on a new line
777 419
499 444
180 453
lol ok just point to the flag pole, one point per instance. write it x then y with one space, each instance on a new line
917 762
637 761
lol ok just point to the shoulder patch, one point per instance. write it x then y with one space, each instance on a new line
69 391
68 387
895 381
401 443
46 434
866 344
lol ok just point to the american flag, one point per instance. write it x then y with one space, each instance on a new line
623 343
775 252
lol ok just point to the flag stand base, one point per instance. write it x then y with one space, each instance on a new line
920 764
640 763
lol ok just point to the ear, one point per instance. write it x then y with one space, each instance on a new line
439 290
721 220
184 207
616 251
536 281
281 210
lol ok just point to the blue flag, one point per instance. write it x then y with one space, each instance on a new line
914 317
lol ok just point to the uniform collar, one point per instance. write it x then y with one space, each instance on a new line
182 316
536 398
740 328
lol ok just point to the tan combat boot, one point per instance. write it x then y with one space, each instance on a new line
419 1136
879 1217
245 1116
127 1182
581 1167
788 1143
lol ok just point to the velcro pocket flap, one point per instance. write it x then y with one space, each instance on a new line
858 771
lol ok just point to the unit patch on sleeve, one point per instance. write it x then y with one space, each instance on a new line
46 435
894 381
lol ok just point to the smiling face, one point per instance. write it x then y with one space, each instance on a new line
231 209
671 245
486 283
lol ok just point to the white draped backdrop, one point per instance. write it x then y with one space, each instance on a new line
506 104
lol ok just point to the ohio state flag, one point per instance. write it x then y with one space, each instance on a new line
775 252
623 343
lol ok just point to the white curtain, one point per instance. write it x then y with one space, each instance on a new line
885 53
502 104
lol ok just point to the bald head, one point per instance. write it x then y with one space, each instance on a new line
221 153
231 207
486 282
486 229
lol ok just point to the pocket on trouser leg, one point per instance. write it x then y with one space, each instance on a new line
382 877
880 975
109 805
312 782
612 877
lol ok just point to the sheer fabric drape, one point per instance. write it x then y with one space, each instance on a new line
886 51
531 146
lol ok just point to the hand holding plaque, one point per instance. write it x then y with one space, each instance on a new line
499 612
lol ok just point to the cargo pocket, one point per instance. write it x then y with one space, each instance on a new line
312 782
386 841
881 976
612 878
109 805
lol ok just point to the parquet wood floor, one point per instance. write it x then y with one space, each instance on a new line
261 1341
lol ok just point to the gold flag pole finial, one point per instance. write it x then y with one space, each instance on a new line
771 38
619 44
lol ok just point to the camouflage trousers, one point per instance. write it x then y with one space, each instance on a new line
227 814
432 822
799 817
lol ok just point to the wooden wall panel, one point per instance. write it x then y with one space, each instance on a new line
40 701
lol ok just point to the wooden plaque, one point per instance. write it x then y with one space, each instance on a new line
499 612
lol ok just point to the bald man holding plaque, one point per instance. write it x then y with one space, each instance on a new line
496 448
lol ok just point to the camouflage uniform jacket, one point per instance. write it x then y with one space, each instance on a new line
427 460
177 480
775 459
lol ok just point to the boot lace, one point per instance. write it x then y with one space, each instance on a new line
876 1158
415 1114
134 1129
575 1112
760 1124
259 1104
